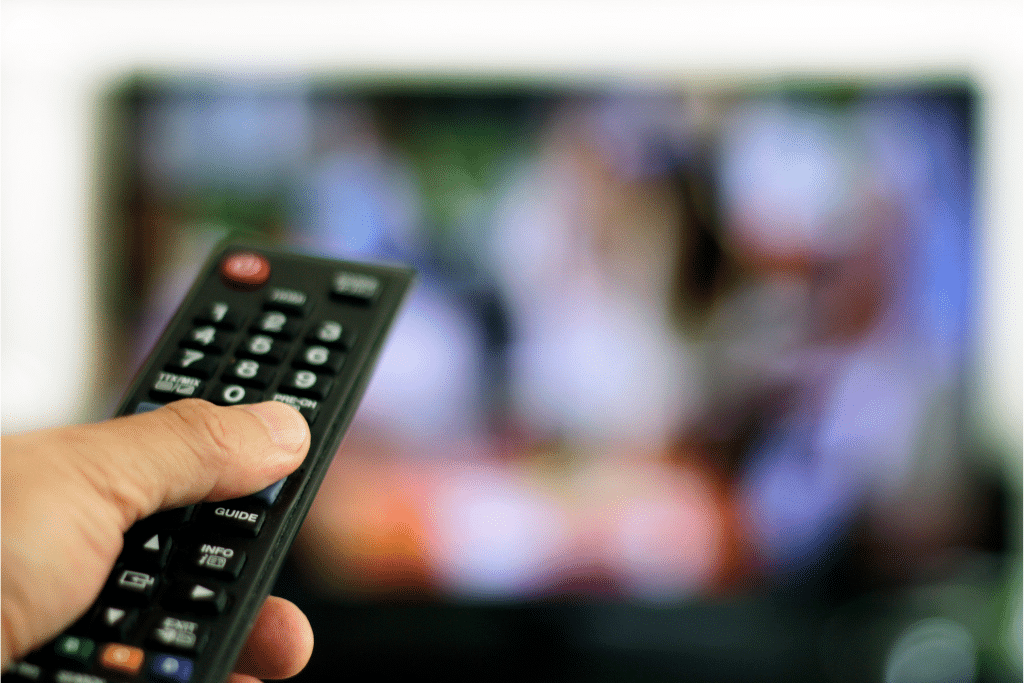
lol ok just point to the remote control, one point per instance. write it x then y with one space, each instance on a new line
258 325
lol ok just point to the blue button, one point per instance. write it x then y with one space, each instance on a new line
146 406
268 496
168 668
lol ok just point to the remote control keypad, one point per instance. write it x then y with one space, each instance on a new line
181 569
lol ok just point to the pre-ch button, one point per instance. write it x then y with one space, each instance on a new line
242 520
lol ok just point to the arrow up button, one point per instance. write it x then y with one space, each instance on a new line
150 549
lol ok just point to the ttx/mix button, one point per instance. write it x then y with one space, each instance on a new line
171 386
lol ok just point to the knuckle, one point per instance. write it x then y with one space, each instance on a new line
209 435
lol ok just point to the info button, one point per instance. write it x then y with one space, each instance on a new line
240 520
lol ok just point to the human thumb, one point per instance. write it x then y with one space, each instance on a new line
70 493
191 450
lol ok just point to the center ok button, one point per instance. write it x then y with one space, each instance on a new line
240 520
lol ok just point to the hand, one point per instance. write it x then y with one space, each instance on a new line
69 495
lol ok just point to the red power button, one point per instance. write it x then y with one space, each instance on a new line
245 270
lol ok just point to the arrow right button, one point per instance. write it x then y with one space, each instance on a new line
201 598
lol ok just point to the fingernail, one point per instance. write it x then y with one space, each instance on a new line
286 426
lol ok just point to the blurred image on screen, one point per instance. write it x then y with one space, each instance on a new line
668 347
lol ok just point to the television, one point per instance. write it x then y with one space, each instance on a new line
680 393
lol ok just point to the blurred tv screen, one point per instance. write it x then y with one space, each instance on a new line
668 344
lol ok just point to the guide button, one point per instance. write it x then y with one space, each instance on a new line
241 520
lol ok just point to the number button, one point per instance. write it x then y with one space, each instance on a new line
219 314
321 358
303 379
262 347
233 394
192 362
332 333
248 371
307 382
205 338
277 324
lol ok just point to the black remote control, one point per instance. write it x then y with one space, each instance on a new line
258 325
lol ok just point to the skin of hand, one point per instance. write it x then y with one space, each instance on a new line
69 494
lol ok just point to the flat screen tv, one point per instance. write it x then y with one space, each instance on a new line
679 394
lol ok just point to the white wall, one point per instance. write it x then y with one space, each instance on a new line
58 57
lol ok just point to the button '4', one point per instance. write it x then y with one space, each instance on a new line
206 337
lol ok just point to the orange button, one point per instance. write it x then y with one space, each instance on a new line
121 658
245 270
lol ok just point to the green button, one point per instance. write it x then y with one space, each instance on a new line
73 647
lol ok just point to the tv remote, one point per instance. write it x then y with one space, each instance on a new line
257 325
